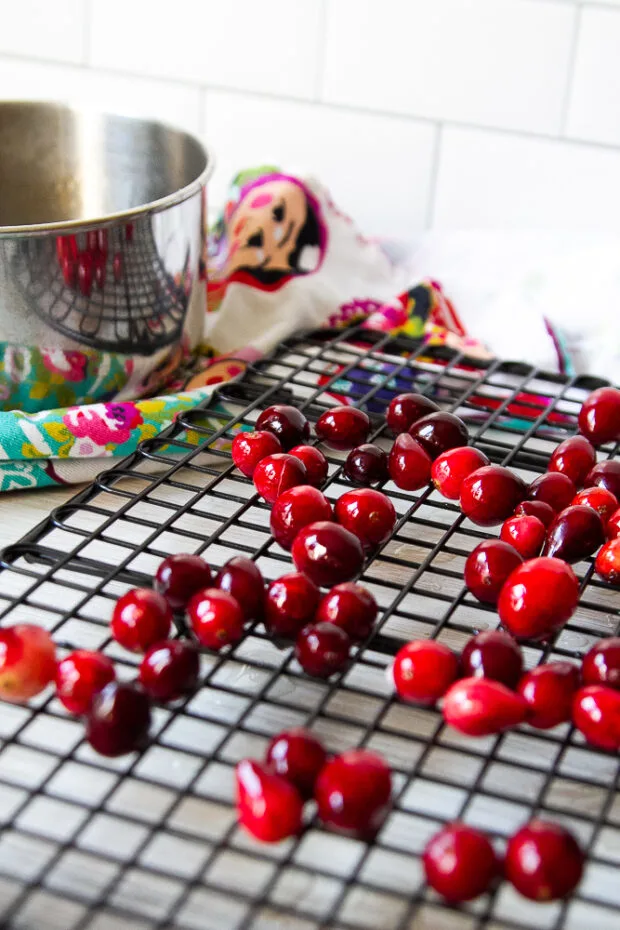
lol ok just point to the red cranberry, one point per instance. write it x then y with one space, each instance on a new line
27 661
268 806
575 534
92 241
327 553
295 509
100 271
601 665
544 512
140 618
409 464
599 417
119 719
343 427
538 598
275 474
288 424
596 714
490 494
598 499
439 432
85 273
554 489
488 567
170 670
605 475
249 448
543 861
180 576
368 514
460 863
241 577
481 706
495 655
574 457
526 534
80 676
117 267
351 607
406 409
322 649
69 271
298 756
423 670
366 464
66 246
613 525
290 604
353 792
315 464
548 690
216 618
452 467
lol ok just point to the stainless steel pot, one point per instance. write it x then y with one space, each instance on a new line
102 231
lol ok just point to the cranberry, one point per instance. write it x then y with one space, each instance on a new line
613 525
605 475
368 514
460 863
488 567
575 534
596 713
327 553
343 427
275 474
92 241
543 861
69 271
85 273
80 676
439 432
544 512
554 489
599 417
452 467
268 806
298 756
249 448
315 463
117 267
129 231
66 246
538 598
216 618
27 661
353 792
140 618
601 665
481 706
406 409
366 464
495 655
574 457
409 464
119 719
607 562
599 499
241 577
290 604
322 649
351 607
180 576
295 509
526 534
170 670
548 690
423 670
100 271
490 494
288 424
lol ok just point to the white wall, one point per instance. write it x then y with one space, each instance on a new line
440 113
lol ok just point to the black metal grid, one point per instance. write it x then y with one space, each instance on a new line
150 840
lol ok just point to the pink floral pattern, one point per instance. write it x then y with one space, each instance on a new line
70 364
103 423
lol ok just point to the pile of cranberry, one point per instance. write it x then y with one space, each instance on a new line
83 267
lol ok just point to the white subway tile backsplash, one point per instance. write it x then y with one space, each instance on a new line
495 62
492 179
595 100
44 29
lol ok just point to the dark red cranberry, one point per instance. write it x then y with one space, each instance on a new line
409 464
66 246
242 578
460 863
92 241
216 618
102 241
599 417
129 232
423 670
69 271
554 489
180 576
268 806
452 467
249 448
601 665
605 475
117 267
490 494
543 861
295 509
140 618
538 598
314 462
343 427
549 690
526 534
288 424
574 457
298 756
275 474
495 655
596 714
354 793
488 567
350 606
544 512
85 273
439 432
170 670
100 271
290 604
322 649
406 409
119 719
599 499
576 533
366 464
481 707
327 553
368 514
613 525
80 676
607 562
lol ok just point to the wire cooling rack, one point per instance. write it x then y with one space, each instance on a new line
150 840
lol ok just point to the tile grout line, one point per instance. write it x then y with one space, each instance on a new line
570 77
434 178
